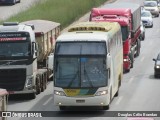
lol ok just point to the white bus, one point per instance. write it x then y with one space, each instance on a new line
88 65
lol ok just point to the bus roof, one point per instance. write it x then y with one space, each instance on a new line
90 31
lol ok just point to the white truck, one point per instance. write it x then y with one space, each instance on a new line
26 59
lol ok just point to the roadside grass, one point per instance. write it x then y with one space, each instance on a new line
62 11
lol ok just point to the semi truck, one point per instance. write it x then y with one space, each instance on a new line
128 15
88 65
26 58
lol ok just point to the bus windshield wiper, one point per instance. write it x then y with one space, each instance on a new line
90 82
73 79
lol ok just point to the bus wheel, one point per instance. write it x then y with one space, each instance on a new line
117 93
62 107
106 107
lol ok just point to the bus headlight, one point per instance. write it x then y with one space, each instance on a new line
104 92
157 66
60 93
125 60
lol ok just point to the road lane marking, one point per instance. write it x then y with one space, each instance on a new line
47 101
119 100
142 59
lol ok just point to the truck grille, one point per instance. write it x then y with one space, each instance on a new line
12 79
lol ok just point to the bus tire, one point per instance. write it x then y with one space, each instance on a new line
117 93
106 107
62 107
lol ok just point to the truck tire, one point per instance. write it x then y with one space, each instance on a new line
131 56
32 95
38 89
138 48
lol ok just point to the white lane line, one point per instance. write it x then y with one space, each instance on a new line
119 100
47 101
131 79
142 59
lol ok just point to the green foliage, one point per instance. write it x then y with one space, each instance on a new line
62 11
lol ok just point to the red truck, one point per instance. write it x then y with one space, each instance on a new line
128 15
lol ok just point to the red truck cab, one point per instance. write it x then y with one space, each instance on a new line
130 29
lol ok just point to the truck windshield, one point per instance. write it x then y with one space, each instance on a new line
15 44
14 49
125 32
80 65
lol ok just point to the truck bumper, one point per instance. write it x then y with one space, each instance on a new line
22 92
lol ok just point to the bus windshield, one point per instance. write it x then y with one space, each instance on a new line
80 64
80 72
125 32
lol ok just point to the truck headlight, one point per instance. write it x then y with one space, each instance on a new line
60 93
104 92
157 66
125 60
29 81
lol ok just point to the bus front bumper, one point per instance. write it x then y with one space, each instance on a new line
81 101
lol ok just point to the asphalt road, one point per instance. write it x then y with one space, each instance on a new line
9 10
140 91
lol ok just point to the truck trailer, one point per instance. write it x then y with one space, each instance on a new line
26 58
128 15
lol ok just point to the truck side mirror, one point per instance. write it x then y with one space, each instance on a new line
34 49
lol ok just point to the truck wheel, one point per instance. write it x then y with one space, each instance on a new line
32 95
138 48
127 70
131 57
43 85
38 90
